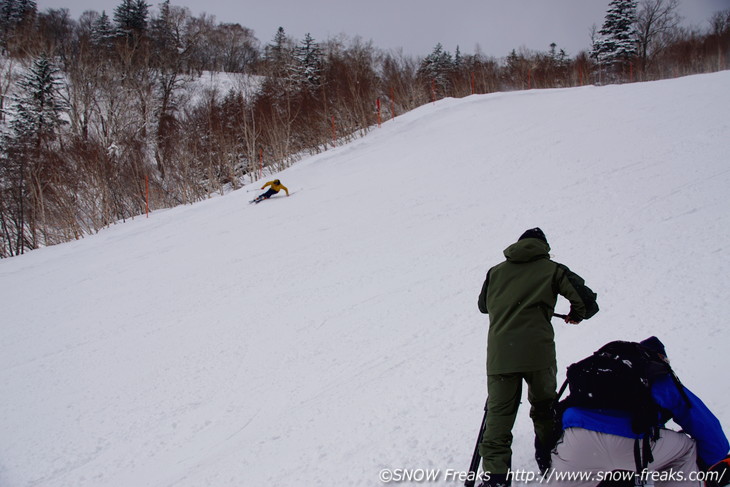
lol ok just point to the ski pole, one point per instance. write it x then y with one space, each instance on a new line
474 466
558 315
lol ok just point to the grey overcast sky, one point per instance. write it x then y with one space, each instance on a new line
416 26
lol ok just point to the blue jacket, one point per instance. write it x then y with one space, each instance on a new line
693 417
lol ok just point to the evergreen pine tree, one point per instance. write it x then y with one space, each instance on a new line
13 14
37 117
278 54
160 31
131 18
437 68
617 44
102 32
458 59
517 68
38 107
24 9
308 64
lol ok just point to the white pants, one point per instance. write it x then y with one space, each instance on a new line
590 454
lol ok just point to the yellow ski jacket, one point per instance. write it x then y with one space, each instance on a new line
276 187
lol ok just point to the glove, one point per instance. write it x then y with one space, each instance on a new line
572 318
719 473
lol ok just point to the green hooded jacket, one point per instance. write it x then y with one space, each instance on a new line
520 296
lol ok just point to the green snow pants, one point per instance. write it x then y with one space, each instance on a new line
504 394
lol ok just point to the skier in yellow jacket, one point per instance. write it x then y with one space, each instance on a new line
276 186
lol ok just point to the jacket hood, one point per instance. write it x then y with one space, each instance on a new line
527 250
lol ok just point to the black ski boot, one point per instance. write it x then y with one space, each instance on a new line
542 456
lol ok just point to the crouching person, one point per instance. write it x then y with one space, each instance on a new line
602 434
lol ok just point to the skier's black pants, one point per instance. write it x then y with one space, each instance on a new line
268 194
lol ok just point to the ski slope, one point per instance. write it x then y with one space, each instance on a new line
319 339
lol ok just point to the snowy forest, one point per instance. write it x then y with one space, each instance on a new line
102 118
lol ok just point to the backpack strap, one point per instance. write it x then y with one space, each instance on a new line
642 455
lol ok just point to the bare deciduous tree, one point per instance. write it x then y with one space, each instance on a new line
656 24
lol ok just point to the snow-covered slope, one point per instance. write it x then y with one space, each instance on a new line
318 339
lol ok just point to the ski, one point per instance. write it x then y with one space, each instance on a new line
259 199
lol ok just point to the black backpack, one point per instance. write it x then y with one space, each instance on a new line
618 376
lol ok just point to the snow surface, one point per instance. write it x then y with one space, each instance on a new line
318 339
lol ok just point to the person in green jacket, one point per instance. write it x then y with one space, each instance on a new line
520 296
